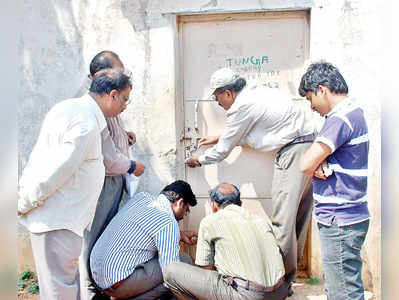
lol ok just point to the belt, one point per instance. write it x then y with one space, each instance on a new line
301 139
113 287
250 285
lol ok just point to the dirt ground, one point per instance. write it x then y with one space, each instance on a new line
302 291
26 296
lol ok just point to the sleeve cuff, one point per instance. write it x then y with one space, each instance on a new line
326 142
132 167
201 160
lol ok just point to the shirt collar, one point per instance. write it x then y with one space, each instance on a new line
163 204
239 95
97 111
345 102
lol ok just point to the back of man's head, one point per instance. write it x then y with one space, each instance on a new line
107 80
104 60
325 74
179 189
225 194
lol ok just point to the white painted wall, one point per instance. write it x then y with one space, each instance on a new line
61 37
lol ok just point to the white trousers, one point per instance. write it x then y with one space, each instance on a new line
56 255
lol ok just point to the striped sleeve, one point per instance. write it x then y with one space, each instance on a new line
167 242
335 132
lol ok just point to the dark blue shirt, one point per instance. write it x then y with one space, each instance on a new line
343 195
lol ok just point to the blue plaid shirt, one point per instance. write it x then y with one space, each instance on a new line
143 228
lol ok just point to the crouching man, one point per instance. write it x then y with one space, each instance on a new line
131 254
237 252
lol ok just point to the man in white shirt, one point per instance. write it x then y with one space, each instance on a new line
61 183
264 120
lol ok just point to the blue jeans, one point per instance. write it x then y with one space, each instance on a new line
341 261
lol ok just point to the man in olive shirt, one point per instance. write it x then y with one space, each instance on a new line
237 252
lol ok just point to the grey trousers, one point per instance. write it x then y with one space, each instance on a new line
56 255
107 207
146 282
292 197
192 282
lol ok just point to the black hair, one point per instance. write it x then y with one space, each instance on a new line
322 73
179 189
237 86
103 60
222 198
106 80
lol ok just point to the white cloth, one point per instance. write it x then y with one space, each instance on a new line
61 183
261 118
132 181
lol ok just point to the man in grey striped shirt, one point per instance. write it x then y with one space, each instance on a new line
141 240
237 251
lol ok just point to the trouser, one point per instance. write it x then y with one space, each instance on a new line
56 255
145 283
107 207
192 282
292 205
341 261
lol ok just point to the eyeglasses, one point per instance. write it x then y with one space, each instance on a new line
215 95
126 101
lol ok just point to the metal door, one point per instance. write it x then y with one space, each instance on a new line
269 48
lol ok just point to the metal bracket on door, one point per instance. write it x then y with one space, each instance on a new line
190 148
193 146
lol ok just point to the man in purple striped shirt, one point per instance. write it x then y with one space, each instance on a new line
338 162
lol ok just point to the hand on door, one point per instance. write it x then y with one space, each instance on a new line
208 140
192 162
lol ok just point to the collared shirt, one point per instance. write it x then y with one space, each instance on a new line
143 228
343 194
262 119
62 180
115 144
239 243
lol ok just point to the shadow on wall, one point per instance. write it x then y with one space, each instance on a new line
51 53
144 15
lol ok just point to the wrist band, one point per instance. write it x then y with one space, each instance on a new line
132 167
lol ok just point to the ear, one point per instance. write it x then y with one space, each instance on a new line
323 90
215 208
180 202
90 77
113 93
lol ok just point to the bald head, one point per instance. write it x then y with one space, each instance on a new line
224 194
226 188
105 60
